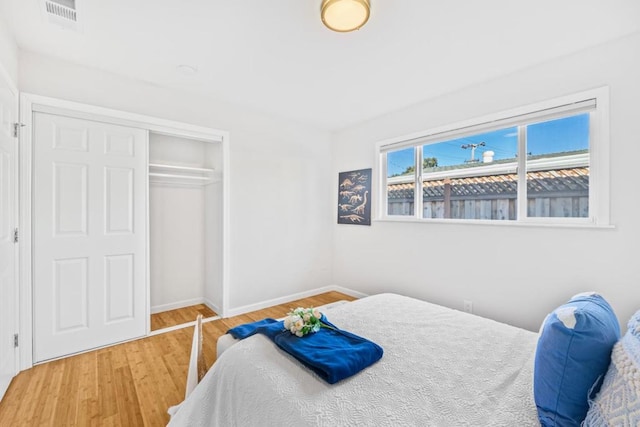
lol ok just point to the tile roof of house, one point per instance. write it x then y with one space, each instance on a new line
571 181
534 157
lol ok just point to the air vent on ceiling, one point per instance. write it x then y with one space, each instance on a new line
62 12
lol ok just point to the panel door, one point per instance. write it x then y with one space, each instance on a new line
8 221
89 234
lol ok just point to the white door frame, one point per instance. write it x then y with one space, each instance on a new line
4 74
30 103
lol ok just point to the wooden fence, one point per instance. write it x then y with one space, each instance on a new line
576 206
562 192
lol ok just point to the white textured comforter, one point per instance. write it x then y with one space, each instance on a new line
440 367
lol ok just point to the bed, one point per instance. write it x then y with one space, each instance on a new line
441 367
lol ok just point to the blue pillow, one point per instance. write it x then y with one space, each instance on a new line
572 356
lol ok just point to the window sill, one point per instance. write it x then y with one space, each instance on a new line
499 223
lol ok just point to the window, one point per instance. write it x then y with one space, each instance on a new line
546 163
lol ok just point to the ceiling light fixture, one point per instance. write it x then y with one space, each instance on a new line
345 15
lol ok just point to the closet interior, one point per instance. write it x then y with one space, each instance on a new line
185 228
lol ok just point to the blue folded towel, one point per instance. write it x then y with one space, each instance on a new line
268 327
333 354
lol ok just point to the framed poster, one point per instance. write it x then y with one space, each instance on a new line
354 197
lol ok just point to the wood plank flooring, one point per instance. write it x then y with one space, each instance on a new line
179 316
130 384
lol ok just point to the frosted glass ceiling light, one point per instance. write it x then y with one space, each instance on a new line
345 15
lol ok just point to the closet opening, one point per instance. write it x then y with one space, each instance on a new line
185 230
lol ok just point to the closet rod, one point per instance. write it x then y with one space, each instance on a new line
170 175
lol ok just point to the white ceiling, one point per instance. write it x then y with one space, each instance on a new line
276 56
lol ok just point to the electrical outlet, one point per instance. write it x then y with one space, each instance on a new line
468 306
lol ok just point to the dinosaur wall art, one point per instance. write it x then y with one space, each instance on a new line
354 197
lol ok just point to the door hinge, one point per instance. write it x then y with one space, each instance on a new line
15 340
15 235
16 129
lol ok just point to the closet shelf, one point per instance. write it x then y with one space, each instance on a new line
179 168
182 175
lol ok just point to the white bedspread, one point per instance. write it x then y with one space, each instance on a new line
440 367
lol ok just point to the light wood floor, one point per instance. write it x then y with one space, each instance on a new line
179 316
130 384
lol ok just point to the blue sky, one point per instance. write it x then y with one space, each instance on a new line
566 134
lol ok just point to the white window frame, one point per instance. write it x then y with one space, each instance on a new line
540 111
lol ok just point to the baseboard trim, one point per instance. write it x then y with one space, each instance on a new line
5 381
178 304
257 306
292 297
348 291
181 326
212 306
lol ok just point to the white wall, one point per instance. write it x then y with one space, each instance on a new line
280 175
511 273
177 243
8 53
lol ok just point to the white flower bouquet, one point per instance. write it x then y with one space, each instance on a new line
303 321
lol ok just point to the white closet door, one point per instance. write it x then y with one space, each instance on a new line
89 234
8 220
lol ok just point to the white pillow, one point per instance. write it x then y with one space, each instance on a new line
618 402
